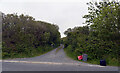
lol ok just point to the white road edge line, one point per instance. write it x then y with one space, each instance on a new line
55 63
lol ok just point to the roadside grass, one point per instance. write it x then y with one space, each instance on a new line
109 61
34 53
0 54
58 48
0 51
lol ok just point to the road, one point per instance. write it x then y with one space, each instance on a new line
51 61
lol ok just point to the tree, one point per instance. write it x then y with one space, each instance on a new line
103 19
100 39
67 31
22 34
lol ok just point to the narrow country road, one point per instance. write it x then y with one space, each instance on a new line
51 61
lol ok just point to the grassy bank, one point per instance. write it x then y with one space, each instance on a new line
0 54
0 50
38 52
110 61
59 48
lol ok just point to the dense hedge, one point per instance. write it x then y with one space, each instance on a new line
78 44
100 39
23 35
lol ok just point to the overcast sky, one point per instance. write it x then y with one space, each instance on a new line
65 13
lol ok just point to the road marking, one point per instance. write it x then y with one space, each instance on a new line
13 61
95 66
53 63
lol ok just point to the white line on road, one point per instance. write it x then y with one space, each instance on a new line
54 63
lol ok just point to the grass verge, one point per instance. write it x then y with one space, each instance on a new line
34 53
61 46
109 61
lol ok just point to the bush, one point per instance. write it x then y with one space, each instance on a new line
97 49
24 36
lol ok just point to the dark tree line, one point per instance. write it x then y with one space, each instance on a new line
22 34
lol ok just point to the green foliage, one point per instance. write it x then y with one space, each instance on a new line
22 35
103 19
100 39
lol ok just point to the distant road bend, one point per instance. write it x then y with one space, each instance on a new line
51 61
